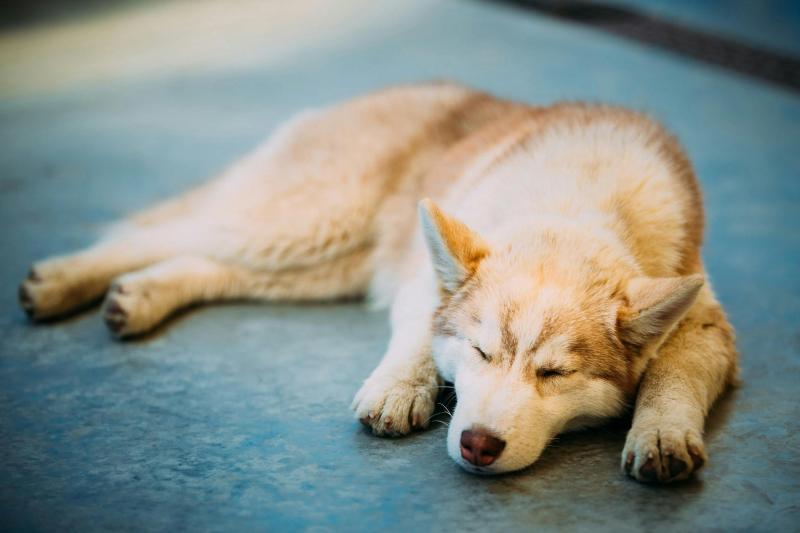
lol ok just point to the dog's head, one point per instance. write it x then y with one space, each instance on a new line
549 336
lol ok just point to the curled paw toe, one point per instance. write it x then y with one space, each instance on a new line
394 408
662 456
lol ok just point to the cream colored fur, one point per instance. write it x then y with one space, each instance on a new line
559 282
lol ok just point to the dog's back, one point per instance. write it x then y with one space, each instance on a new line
608 168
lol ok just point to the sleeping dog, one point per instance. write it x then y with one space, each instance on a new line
544 260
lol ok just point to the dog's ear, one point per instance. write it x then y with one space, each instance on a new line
655 306
455 250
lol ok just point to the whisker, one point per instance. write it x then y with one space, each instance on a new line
432 417
446 409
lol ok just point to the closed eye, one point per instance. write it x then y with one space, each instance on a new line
481 353
546 373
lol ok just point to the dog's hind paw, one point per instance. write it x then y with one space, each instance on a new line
662 455
131 308
48 291
392 407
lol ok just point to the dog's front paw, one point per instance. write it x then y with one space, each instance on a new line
662 454
394 407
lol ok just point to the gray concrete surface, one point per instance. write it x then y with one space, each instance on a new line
236 417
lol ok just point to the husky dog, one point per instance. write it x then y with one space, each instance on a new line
544 260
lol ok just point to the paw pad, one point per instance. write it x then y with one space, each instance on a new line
676 466
115 316
25 301
34 276
648 471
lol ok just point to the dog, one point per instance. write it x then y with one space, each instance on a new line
544 260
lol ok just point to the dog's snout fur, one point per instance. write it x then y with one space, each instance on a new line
480 447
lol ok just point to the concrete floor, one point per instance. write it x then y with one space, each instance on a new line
236 417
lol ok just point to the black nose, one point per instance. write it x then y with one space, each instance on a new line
480 447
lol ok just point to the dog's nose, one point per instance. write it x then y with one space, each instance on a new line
480 447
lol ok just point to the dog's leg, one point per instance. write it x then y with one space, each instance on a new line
138 301
692 368
61 284
272 211
307 197
400 394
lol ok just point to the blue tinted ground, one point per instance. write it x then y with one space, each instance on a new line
236 417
